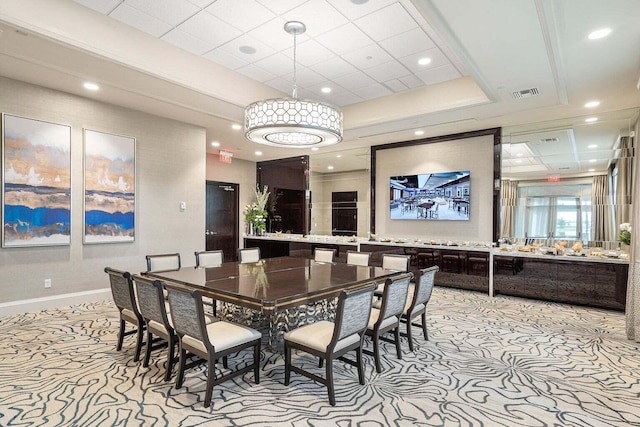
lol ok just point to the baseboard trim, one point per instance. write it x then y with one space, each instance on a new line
52 302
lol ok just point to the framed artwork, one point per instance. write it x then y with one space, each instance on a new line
109 187
36 182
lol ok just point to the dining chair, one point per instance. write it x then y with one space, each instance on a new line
209 258
324 255
163 262
358 258
209 342
387 317
332 340
153 308
417 299
395 262
248 255
125 300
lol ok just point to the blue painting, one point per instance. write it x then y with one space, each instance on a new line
36 182
109 187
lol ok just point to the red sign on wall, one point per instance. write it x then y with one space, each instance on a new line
225 156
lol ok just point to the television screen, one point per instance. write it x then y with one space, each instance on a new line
430 196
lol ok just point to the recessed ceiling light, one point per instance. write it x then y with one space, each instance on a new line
325 90
258 153
519 161
236 126
249 50
359 1
591 120
592 170
592 104
424 61
91 86
339 155
418 132
592 161
598 34
215 144
592 146
519 155
314 148
330 167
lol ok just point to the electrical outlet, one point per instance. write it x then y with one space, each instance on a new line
47 283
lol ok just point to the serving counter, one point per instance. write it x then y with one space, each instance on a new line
597 281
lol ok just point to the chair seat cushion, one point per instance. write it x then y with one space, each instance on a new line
373 318
417 309
318 336
128 315
223 335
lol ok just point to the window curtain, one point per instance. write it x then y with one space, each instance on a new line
508 202
601 209
633 283
624 182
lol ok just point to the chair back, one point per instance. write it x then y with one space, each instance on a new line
187 313
209 258
424 286
122 290
395 262
151 299
358 258
163 262
354 309
248 255
394 296
324 255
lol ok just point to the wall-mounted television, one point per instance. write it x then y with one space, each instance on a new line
430 196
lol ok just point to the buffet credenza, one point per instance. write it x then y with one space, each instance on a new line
592 281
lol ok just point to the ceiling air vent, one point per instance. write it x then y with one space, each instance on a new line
548 140
526 93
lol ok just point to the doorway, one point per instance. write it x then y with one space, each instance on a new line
222 219
344 213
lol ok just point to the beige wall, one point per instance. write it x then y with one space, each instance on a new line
323 184
473 154
242 172
170 168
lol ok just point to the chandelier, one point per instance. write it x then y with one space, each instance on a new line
293 122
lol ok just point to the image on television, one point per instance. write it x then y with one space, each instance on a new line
430 196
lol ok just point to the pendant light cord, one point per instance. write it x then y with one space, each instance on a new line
295 83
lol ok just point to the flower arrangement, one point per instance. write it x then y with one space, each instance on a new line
255 213
625 233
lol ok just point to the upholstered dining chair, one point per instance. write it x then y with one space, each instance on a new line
395 262
417 299
358 258
324 255
153 308
209 342
125 300
332 340
387 317
209 258
248 255
163 262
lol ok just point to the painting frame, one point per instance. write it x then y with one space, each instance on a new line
36 182
109 193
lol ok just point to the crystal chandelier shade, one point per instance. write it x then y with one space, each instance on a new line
293 122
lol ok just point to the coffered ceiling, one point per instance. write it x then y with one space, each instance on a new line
525 65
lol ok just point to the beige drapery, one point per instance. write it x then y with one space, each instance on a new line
508 201
624 182
601 212
633 284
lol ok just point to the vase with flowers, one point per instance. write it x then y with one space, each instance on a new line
255 213
625 234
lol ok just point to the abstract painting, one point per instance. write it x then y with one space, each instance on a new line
36 182
109 187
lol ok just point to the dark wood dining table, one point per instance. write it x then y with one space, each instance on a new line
276 287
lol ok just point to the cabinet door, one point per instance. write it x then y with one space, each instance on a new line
576 282
540 279
508 275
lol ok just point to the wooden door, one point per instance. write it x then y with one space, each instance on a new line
222 218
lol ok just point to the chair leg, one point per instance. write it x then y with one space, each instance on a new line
181 367
329 379
211 376
147 353
320 362
396 332
256 363
409 336
376 352
360 365
287 363
120 335
139 343
170 358
225 362
424 326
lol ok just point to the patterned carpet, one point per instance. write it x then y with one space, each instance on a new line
489 362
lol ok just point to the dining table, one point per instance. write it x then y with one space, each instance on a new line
275 294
